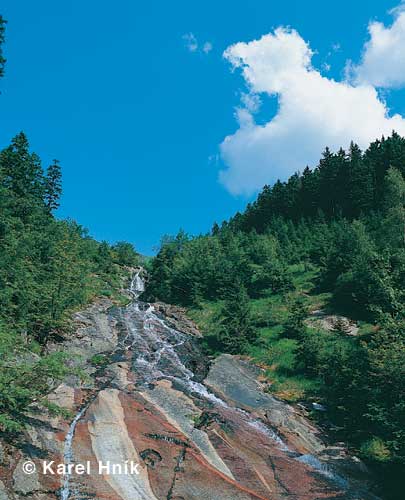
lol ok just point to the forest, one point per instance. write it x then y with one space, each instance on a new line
330 239
48 268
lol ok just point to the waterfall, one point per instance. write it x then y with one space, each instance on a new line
68 453
159 352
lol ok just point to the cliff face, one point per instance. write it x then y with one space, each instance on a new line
195 431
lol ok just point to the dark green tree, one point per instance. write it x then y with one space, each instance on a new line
294 327
125 254
236 330
53 186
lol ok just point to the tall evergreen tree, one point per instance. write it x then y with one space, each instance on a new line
53 186
236 330
22 175
361 183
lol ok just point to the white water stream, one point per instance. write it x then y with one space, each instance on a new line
68 454
157 352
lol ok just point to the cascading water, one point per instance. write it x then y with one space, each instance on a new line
159 352
156 349
68 454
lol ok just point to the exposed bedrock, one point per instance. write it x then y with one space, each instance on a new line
196 431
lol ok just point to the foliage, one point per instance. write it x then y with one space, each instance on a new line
294 326
99 360
125 254
342 226
235 328
18 368
48 267
375 449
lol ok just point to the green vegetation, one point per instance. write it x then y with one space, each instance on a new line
333 239
48 268
100 360
19 365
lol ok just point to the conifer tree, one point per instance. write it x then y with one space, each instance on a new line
21 174
53 186
393 205
236 329
295 326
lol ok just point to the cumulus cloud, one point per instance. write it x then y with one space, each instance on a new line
383 60
313 112
193 45
251 101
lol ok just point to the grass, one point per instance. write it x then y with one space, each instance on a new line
366 328
275 353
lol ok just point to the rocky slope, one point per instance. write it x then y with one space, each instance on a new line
196 431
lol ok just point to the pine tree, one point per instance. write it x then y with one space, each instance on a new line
309 192
21 174
392 232
53 186
295 326
236 330
215 229
361 187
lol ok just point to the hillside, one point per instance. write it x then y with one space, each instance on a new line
309 283
145 393
48 269
263 360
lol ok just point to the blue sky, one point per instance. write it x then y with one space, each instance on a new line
136 113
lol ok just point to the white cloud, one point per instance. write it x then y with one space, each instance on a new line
191 42
383 60
313 112
251 101
207 47
194 46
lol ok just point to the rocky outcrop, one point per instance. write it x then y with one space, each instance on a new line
192 430
176 317
110 441
329 322
237 382
3 492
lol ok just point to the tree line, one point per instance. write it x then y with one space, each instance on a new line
346 219
48 268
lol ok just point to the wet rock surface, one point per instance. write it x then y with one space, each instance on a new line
197 431
237 382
